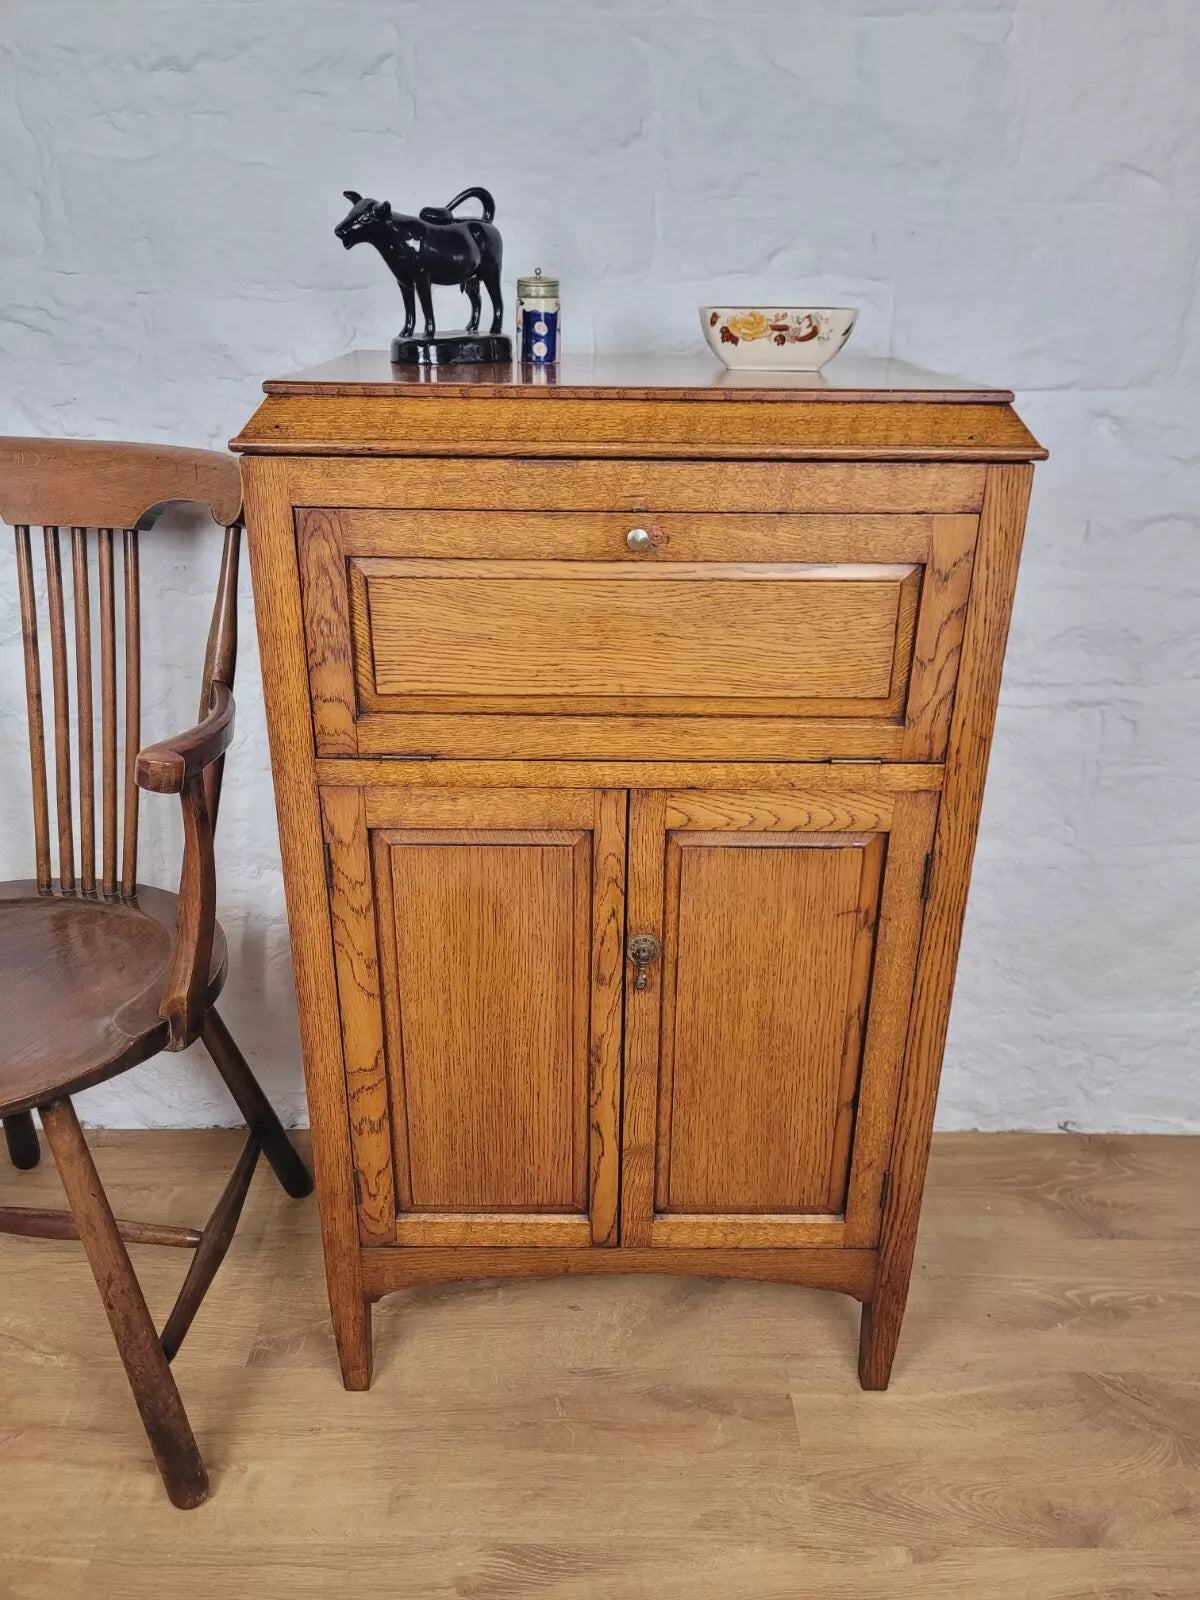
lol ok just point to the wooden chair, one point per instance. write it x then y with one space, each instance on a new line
97 971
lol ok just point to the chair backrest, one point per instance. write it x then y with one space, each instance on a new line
115 489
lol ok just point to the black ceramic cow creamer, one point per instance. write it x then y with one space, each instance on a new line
436 247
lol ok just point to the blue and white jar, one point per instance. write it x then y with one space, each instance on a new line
537 318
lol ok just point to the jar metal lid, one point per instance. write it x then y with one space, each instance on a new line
537 287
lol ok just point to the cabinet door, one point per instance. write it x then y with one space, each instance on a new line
764 1044
478 941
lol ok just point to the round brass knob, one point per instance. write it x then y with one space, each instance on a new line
638 539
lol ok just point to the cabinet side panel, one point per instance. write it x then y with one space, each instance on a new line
1001 530
272 541
488 964
764 962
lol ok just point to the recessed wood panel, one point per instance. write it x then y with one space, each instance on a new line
768 959
491 959
588 629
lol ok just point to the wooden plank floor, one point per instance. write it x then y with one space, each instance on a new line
662 1438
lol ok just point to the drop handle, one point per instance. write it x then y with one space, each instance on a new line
638 539
643 949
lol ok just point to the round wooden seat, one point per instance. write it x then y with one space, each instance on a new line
83 980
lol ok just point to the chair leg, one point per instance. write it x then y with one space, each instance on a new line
146 1367
255 1107
23 1147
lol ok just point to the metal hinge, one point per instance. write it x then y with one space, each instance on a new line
854 761
927 876
357 1187
885 1189
328 866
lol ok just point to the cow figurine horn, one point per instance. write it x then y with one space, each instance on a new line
352 196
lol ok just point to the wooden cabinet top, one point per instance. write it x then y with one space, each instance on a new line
858 408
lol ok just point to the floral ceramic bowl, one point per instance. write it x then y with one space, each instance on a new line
779 339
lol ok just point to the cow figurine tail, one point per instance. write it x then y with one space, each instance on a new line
484 198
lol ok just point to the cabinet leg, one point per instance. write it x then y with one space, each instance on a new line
355 1344
879 1332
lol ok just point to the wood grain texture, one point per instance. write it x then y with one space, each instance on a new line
593 630
35 718
643 1009
133 708
751 1230
351 424
83 985
492 956
481 1229
496 660
636 1435
546 737
833 778
850 1272
602 536
37 1222
81 597
62 710
945 587
763 955
481 808
352 897
93 483
897 937
108 706
327 632
635 485
883 380
815 810
146 1366
1001 528
283 651
607 1013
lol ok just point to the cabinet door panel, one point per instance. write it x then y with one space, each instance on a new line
489 1020
764 1049
772 940
491 964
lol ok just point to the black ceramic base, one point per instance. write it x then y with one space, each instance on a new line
450 349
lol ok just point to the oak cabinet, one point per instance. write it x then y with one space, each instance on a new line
628 733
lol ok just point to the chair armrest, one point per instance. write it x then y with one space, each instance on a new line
167 768
186 766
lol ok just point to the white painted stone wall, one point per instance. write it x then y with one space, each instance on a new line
1007 187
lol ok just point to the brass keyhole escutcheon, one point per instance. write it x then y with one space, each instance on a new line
643 949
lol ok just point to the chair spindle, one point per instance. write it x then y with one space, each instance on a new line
133 712
108 706
33 703
62 710
83 683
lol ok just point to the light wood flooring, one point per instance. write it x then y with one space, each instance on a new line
621 1437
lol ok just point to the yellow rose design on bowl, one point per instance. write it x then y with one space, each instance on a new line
749 325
